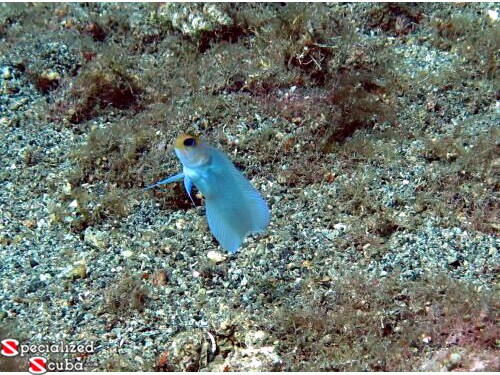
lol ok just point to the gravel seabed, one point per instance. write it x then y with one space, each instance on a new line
55 281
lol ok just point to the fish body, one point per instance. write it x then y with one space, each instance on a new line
233 206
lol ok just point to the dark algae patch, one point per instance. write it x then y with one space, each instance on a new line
371 130
365 325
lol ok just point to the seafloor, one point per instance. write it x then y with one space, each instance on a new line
372 131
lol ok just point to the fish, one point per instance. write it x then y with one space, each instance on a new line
234 208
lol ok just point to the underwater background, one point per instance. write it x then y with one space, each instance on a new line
371 130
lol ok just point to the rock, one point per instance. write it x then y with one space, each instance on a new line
492 15
256 338
443 360
96 238
33 263
215 256
250 359
75 271
5 121
185 351
193 19
340 226
6 74
148 235
453 360
127 253
3 315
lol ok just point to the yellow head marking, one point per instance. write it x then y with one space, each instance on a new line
186 141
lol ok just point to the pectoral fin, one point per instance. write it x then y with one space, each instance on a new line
168 180
188 185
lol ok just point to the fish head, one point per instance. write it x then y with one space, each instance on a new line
191 151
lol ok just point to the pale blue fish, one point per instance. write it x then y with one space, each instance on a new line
234 207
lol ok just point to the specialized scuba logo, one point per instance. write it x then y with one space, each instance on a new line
9 348
40 365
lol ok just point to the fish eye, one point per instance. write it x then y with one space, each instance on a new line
189 142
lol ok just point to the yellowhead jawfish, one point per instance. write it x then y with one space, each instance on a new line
234 207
